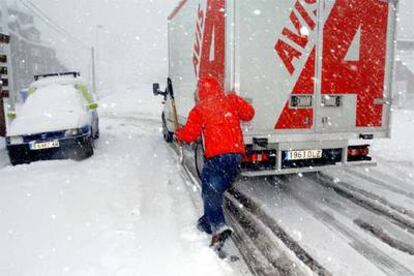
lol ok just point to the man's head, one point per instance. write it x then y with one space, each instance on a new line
208 86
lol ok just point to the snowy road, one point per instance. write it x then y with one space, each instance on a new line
125 211
331 228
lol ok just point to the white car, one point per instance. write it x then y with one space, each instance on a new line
58 120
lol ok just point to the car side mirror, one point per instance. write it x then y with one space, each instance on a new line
93 106
156 89
157 92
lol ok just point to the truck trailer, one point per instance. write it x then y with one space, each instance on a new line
318 73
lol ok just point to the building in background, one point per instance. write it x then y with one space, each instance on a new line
404 82
29 55
4 79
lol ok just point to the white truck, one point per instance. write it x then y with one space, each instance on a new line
318 73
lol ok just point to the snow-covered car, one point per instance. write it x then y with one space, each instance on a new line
59 120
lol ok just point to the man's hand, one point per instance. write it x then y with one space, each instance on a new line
176 140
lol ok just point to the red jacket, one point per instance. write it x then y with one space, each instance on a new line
217 117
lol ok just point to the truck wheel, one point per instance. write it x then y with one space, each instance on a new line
168 135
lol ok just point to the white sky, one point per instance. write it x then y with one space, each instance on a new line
133 43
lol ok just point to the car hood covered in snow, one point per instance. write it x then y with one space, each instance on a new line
52 108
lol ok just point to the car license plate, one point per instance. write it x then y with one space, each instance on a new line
304 154
45 145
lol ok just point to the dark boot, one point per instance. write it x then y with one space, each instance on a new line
220 237
204 226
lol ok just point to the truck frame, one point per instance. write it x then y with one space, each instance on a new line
318 72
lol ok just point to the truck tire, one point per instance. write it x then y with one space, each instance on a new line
167 135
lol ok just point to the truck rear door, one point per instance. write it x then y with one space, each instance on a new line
355 59
314 66
275 57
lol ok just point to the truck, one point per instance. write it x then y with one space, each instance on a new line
319 74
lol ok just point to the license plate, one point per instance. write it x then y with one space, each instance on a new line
304 154
45 145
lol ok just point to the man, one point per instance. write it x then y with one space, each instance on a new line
217 118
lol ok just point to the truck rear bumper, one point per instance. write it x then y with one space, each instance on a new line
308 169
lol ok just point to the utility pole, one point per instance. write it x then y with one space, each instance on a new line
96 60
93 70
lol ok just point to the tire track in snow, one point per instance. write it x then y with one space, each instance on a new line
381 183
369 201
374 223
377 257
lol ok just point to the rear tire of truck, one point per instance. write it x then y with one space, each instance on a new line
167 135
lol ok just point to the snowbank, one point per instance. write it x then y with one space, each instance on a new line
58 80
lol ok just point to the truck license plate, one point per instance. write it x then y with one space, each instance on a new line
304 154
45 145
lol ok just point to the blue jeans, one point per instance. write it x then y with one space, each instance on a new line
218 175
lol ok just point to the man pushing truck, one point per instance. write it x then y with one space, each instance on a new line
318 73
216 117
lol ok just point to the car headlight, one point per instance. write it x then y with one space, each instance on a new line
72 132
16 140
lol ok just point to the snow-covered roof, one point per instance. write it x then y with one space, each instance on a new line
61 80
52 108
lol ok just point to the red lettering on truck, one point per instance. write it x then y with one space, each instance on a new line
199 38
213 41
286 52
298 118
364 77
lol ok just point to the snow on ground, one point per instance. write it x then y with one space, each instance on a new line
3 154
322 223
125 211
401 147
133 102
395 156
